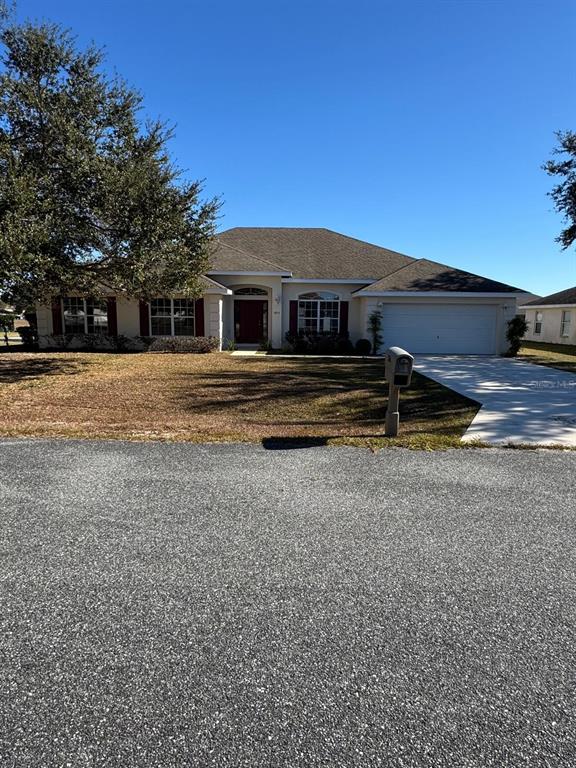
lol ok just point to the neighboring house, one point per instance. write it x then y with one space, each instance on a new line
525 298
264 282
553 318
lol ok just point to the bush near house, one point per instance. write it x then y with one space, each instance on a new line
517 327
96 342
302 343
363 347
29 336
6 322
196 344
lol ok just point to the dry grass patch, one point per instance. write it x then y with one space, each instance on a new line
219 398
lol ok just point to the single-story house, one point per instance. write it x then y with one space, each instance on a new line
552 319
265 282
526 298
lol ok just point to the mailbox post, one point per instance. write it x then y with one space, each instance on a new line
398 371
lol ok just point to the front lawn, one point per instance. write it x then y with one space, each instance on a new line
220 398
561 356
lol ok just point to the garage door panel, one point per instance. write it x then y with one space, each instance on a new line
441 329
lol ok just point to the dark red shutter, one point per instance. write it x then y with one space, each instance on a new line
144 319
112 316
343 317
57 316
199 316
293 317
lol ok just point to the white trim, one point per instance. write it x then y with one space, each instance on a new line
547 306
434 294
335 280
218 292
337 301
171 300
240 273
85 318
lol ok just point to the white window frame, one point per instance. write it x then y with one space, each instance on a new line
86 315
325 297
165 298
538 323
565 323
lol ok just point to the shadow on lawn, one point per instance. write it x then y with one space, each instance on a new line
317 391
290 443
248 386
14 370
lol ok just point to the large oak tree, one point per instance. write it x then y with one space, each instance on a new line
89 198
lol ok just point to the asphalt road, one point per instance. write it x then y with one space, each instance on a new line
180 605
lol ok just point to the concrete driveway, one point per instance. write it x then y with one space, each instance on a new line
170 605
521 402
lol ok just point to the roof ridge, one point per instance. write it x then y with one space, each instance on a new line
253 256
394 272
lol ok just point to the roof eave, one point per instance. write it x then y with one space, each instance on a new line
248 273
547 306
441 294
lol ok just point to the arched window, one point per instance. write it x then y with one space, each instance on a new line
250 292
319 312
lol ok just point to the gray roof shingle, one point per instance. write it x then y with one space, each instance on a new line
304 252
229 258
321 254
426 275
567 296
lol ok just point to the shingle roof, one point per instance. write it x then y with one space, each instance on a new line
212 285
526 298
426 275
230 258
562 297
304 252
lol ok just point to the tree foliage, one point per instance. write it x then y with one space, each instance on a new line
515 332
89 198
374 327
564 193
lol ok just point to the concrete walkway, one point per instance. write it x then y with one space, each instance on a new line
521 402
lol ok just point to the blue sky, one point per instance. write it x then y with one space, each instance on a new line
418 125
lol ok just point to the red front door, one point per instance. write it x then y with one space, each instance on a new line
250 320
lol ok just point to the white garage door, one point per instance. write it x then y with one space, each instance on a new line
443 329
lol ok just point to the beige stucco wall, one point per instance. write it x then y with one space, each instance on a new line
44 319
128 313
551 324
213 316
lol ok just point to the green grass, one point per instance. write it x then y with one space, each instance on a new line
562 356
